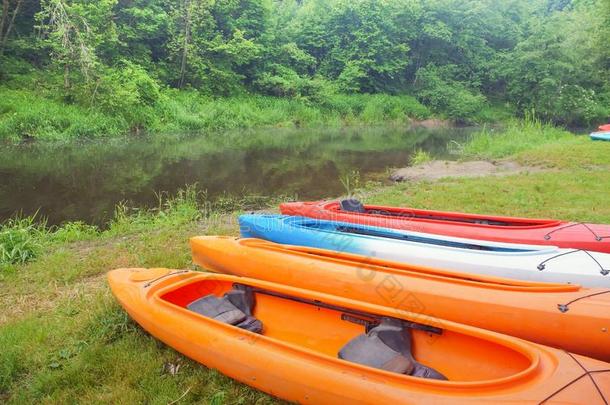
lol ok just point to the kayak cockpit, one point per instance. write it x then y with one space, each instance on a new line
331 329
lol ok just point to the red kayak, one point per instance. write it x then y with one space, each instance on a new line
576 235
604 127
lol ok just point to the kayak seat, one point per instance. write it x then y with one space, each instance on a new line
234 308
387 346
352 205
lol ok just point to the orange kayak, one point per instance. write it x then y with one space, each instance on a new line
315 348
565 316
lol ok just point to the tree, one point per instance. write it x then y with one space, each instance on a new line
10 10
554 70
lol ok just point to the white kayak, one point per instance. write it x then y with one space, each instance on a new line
523 262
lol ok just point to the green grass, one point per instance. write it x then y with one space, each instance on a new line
574 185
188 111
420 157
66 340
516 137
28 114
578 195
20 240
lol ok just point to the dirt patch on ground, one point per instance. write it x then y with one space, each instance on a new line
438 169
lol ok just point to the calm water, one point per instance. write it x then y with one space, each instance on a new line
84 181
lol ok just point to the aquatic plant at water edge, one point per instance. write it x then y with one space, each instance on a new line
420 157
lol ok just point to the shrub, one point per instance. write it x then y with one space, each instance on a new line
572 104
282 81
127 91
437 90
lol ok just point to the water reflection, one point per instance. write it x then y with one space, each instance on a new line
84 181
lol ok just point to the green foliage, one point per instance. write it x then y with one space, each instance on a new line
24 114
116 57
74 231
350 181
184 207
110 323
20 240
377 108
420 157
518 136
363 44
189 111
285 82
128 91
448 96
557 70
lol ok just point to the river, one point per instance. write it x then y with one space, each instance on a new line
85 180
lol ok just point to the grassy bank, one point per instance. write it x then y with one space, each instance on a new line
573 186
44 114
65 339
40 115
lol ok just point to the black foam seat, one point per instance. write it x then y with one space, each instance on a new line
220 309
352 205
234 308
387 346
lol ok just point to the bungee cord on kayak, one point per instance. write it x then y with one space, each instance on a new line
587 373
603 271
597 237
566 307
151 282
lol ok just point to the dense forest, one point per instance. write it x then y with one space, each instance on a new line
90 67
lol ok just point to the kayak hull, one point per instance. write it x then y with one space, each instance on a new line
523 262
601 136
592 237
532 311
304 376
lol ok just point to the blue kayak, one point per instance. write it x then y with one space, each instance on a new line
439 251
600 136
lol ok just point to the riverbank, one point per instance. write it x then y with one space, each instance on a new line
41 115
65 339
